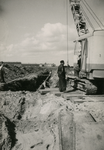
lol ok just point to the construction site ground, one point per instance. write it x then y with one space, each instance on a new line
51 120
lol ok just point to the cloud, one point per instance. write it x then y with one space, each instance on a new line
55 32
52 38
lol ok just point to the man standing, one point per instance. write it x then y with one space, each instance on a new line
61 75
2 73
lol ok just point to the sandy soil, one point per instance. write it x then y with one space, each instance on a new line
35 117
31 121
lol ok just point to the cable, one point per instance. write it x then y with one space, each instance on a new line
90 11
87 18
94 14
67 29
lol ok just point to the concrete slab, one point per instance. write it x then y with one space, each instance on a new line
89 136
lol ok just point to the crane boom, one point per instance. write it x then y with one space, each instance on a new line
81 19
78 17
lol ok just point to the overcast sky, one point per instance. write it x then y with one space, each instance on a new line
34 31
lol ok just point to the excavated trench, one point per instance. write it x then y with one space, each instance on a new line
30 82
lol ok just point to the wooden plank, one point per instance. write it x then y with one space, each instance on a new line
47 90
89 136
66 130
82 116
80 98
88 99
60 131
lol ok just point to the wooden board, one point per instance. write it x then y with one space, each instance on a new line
47 90
66 133
82 117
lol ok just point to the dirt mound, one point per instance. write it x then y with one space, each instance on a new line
21 78
27 83
17 71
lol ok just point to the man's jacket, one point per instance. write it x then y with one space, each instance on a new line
61 71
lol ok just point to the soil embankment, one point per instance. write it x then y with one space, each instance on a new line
20 78
13 71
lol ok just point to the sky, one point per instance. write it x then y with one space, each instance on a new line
35 31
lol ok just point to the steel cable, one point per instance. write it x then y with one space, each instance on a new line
92 13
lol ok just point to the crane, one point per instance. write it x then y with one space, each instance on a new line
90 65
